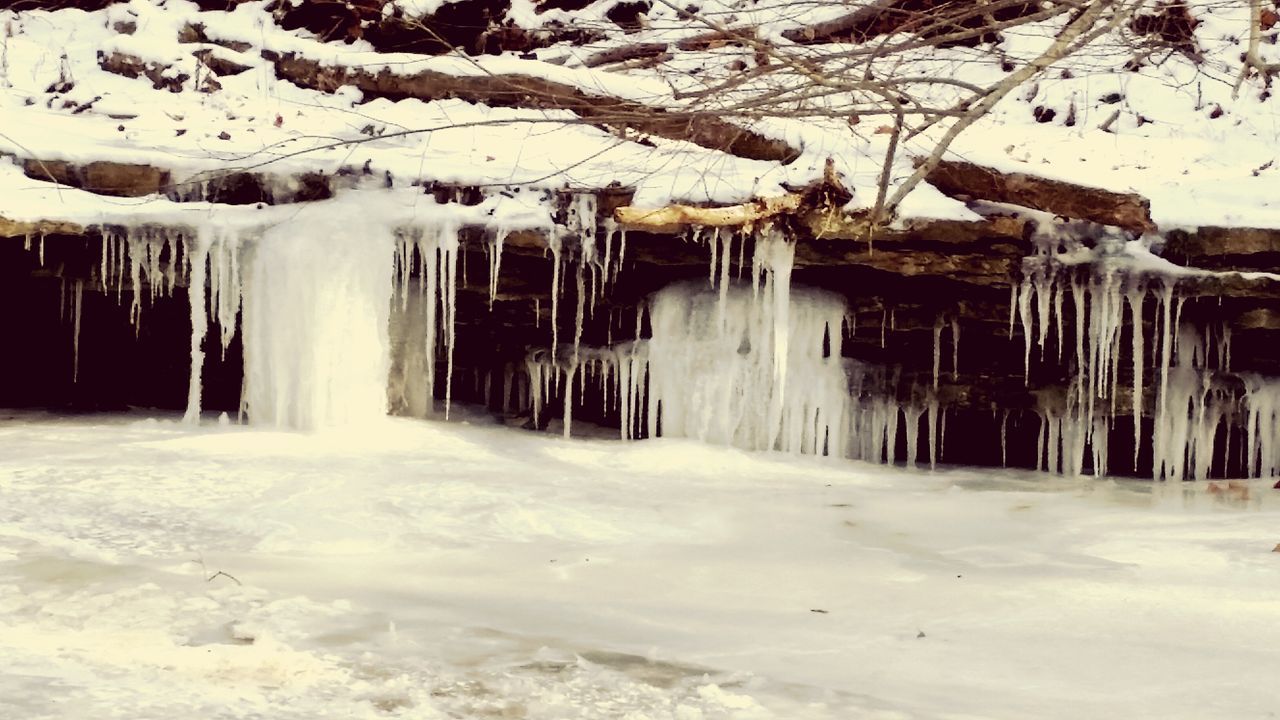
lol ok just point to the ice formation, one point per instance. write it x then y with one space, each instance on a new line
425 316
343 322
729 363
752 364
312 298
131 255
1192 400
316 311
73 295
749 369
1262 398
215 290
761 369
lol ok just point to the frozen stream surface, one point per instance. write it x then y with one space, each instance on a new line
149 569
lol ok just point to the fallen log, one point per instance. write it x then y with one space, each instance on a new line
28 228
529 91
731 215
964 179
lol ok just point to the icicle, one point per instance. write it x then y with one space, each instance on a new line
911 416
105 264
198 261
1013 306
1058 292
942 436
77 311
779 258
135 250
448 278
226 287
1044 298
955 347
935 432
1160 442
1079 307
610 272
429 255
465 274
714 265
495 264
1004 438
891 435
1040 445
568 398
1135 297
724 277
937 352
1024 310
622 250
554 243
578 314
742 250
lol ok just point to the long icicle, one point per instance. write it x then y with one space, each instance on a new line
1135 296
198 262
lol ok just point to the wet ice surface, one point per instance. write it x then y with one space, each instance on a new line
428 570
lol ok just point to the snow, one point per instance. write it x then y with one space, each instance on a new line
1200 152
257 123
423 570
1183 136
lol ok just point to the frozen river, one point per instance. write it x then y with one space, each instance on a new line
414 569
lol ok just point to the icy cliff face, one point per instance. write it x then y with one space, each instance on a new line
348 309
761 369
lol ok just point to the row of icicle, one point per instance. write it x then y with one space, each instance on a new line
753 364
756 365
1180 365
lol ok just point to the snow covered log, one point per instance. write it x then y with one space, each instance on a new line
1223 248
103 177
706 129
965 179
131 66
27 228
673 216
118 179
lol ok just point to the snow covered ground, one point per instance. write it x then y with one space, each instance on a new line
427 570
